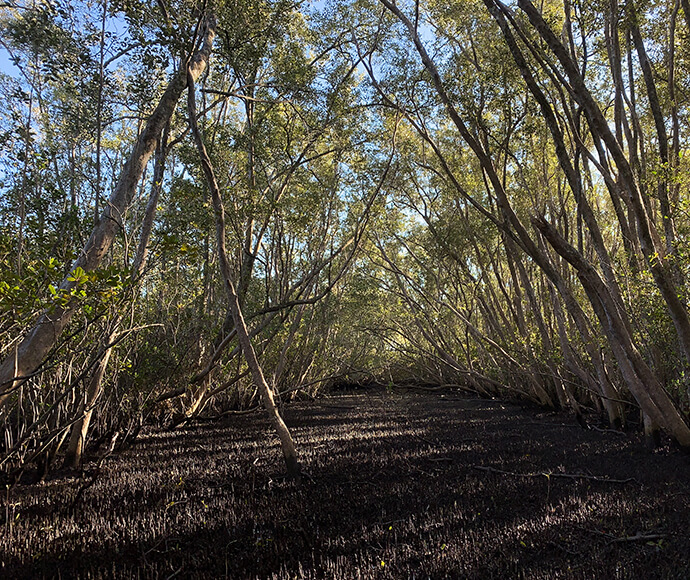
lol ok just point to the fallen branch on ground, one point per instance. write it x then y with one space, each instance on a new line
423 389
231 412
614 431
638 537
549 475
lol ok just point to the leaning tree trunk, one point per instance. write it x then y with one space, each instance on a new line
643 384
286 442
42 338
655 253
80 428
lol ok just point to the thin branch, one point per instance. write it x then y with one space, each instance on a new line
549 475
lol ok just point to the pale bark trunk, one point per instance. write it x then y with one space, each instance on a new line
612 407
286 442
654 253
607 300
511 223
80 429
674 160
45 333
565 397
282 361
686 12
662 137
573 176
512 258
651 432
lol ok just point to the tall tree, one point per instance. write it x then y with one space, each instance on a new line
34 348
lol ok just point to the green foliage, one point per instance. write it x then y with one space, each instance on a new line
21 297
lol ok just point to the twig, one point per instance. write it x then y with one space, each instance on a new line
433 443
210 418
614 431
549 474
564 549
175 573
94 475
174 503
542 424
639 536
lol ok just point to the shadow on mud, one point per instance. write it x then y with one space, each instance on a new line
393 490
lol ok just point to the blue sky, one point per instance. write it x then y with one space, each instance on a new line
6 65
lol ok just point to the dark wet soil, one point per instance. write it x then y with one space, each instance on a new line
399 485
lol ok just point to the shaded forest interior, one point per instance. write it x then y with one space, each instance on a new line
397 487
210 208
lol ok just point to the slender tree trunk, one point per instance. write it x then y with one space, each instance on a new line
654 252
662 137
512 258
282 360
23 191
510 223
80 429
286 442
686 12
563 392
642 382
40 340
674 159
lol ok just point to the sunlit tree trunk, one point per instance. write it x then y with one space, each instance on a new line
80 429
661 133
655 253
286 442
644 386
674 160
75 448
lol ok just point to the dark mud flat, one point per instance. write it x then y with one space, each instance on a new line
398 486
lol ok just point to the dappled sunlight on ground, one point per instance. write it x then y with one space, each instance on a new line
397 486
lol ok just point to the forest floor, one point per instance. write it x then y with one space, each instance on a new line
397 485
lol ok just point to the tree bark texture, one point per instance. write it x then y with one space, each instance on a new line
654 252
80 429
644 386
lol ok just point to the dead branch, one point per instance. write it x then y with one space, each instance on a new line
614 431
548 475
